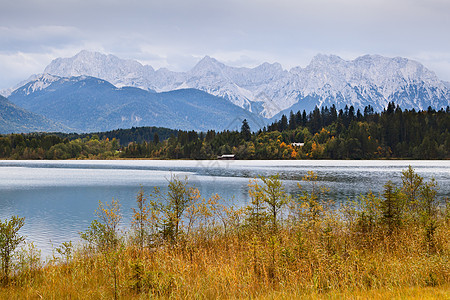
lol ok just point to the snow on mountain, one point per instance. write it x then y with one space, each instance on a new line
269 89
37 83
211 76
8 91
44 81
370 79
89 104
108 67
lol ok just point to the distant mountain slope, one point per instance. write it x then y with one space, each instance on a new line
14 119
268 89
89 104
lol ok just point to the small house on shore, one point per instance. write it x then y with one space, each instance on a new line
298 144
226 157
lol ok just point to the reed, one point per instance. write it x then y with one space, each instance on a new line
314 251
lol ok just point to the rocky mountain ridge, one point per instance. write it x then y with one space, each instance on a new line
269 89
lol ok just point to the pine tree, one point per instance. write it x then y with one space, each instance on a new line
156 138
283 124
390 208
246 134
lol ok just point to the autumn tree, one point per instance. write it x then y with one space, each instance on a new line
275 197
142 219
9 241
103 233
169 207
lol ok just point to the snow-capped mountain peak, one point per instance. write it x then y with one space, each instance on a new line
38 82
327 80
206 66
108 67
325 60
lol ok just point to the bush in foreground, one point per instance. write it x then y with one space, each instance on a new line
184 246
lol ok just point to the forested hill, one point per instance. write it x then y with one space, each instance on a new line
324 133
126 136
72 145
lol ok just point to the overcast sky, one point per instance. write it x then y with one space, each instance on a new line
177 33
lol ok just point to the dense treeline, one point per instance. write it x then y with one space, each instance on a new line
42 146
66 146
126 136
183 245
325 133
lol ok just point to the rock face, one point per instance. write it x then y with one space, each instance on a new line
269 89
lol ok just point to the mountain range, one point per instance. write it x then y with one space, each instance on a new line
268 89
94 91
89 104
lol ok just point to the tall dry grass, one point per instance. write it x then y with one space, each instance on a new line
314 252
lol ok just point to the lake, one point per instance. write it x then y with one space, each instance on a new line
58 198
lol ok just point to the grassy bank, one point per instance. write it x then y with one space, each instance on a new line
181 245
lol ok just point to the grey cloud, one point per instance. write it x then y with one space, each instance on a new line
37 39
174 33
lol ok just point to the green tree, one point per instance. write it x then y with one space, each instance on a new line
257 211
311 203
9 241
141 219
283 123
274 195
411 184
391 208
170 207
156 138
428 212
246 134
292 121
368 213
103 232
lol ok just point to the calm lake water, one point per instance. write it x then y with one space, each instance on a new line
58 198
